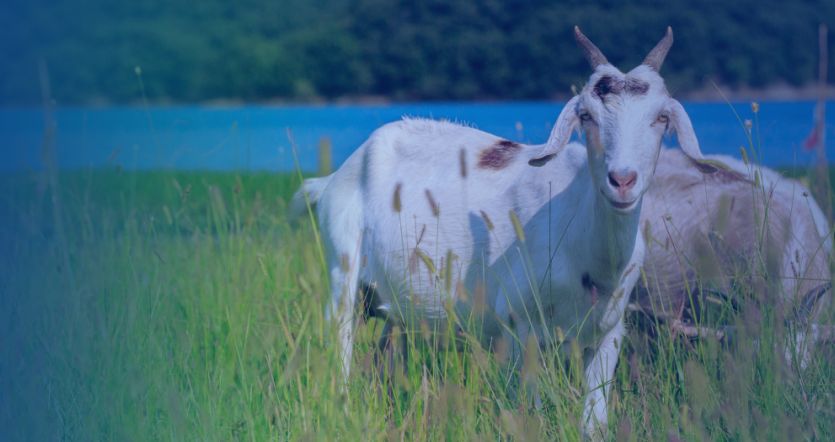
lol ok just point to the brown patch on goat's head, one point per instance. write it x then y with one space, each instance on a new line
498 155
607 85
636 87
611 85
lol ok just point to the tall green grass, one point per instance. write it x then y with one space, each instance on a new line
185 306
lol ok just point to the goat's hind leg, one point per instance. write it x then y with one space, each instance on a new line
341 309
343 240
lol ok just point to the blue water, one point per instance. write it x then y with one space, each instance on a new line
256 137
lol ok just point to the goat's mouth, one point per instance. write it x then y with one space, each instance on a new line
624 207
620 206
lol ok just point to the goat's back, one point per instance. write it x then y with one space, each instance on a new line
723 231
430 192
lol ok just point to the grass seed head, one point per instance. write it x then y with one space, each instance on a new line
424 330
461 292
479 298
427 261
500 350
487 221
436 210
396 204
517 226
559 334
448 270
530 364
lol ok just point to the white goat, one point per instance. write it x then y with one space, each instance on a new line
720 230
549 232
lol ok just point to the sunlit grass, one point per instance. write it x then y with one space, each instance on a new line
187 307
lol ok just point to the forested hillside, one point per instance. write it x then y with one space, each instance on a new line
402 49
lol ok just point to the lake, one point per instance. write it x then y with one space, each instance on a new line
256 137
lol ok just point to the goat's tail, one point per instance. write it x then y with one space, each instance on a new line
309 194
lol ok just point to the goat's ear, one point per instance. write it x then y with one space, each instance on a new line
687 137
560 134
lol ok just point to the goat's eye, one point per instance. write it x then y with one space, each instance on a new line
585 116
663 119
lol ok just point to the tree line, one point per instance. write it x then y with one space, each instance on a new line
307 50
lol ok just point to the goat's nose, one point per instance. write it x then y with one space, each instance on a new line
623 181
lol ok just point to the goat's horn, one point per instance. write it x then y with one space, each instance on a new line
592 53
656 56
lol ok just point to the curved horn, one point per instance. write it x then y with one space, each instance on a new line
656 56
592 53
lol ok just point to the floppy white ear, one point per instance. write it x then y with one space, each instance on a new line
687 137
560 134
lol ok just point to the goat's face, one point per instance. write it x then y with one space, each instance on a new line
623 117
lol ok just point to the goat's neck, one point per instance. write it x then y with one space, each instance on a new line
617 234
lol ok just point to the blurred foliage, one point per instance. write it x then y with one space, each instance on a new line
407 50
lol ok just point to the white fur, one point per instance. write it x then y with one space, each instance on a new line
575 223
695 219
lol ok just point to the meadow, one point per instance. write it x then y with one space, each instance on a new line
186 306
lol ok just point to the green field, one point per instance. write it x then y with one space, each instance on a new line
185 306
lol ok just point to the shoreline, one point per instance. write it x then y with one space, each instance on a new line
706 94
777 92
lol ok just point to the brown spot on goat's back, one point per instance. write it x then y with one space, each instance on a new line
498 156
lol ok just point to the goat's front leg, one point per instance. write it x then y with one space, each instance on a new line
601 369
519 359
599 374
528 351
